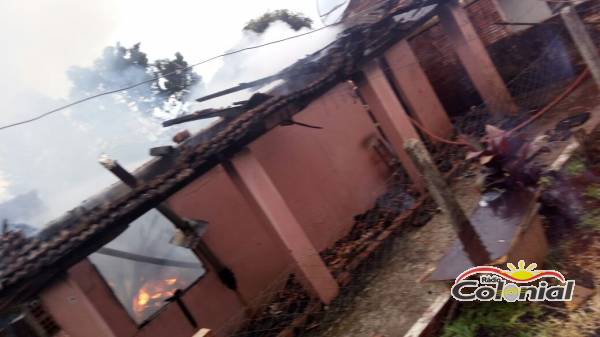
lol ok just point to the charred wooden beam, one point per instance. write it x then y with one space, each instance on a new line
226 113
147 259
240 87
204 114
504 23
163 151
184 309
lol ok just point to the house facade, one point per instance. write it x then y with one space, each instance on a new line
277 194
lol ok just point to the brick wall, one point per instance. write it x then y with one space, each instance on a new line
442 66
511 52
484 15
447 76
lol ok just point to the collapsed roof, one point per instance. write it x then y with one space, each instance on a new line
27 264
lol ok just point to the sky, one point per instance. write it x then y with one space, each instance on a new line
43 38
56 157
50 166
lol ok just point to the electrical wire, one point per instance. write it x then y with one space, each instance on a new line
414 121
565 93
558 1
110 92
436 137
554 102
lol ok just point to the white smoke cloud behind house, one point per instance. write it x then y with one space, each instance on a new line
56 157
258 63
41 39
4 188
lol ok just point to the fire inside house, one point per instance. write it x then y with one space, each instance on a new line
140 283
311 207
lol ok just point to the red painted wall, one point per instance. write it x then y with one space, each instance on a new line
82 304
238 238
441 64
484 14
326 177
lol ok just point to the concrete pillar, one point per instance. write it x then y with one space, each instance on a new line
475 58
387 109
204 333
583 41
257 187
416 90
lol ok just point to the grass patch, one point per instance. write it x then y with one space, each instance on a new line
580 323
546 182
590 220
593 192
575 167
494 319
555 257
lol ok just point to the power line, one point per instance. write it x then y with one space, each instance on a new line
110 92
147 259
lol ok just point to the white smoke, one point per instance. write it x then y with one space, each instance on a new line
4 188
57 157
50 166
262 62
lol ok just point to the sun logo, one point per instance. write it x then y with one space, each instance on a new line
522 273
517 283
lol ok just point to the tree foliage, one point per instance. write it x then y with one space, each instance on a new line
165 80
296 21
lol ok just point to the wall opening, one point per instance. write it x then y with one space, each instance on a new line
143 269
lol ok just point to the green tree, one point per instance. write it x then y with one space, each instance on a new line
296 21
177 79
121 67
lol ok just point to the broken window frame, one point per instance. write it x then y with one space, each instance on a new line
128 308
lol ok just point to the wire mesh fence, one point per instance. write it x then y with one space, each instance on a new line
556 65
542 79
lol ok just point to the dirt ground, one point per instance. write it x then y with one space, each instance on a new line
395 297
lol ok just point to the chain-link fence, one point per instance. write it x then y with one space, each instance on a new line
556 65
543 79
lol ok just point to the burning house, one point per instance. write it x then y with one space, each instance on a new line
193 238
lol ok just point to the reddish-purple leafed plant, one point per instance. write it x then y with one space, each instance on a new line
506 160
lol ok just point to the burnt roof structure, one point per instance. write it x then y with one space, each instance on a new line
27 264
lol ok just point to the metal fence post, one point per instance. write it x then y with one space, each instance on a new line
582 40
439 191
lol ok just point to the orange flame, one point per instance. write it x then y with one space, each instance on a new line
152 295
